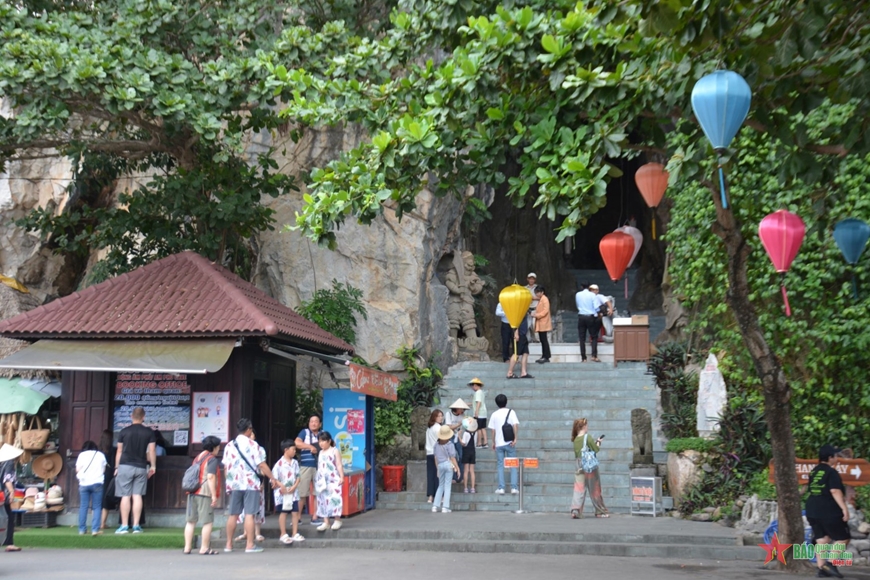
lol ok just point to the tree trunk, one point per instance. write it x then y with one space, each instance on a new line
777 393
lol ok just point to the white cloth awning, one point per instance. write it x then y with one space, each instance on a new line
190 356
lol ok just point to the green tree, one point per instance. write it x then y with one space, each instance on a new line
560 88
335 310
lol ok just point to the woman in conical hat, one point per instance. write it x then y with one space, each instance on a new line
8 456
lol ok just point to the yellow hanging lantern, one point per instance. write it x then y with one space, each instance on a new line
515 301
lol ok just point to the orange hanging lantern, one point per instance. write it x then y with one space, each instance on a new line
652 181
515 301
616 249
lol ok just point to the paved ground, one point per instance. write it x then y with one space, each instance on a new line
353 564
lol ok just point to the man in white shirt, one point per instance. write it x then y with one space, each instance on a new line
588 301
502 447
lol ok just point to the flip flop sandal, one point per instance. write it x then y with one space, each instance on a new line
209 553
527 376
602 515
511 376
261 539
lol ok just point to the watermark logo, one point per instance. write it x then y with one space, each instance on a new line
836 554
775 550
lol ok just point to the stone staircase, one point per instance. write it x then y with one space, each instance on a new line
547 406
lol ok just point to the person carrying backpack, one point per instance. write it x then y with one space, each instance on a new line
586 477
200 503
505 426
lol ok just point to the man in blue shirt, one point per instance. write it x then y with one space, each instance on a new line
308 448
588 303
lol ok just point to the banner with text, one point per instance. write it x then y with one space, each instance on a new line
165 398
373 382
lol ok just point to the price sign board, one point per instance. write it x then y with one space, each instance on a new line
511 462
530 462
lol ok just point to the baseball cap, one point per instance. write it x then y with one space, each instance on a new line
531 275
827 451
593 286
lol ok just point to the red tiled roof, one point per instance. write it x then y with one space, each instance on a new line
184 295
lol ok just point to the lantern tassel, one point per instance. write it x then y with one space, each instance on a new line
722 188
626 287
654 223
785 299
854 286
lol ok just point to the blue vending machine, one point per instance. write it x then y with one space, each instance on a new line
349 417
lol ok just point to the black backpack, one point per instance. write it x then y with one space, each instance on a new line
507 430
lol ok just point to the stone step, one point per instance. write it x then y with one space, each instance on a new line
495 369
510 502
615 439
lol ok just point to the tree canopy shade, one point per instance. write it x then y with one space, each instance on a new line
560 89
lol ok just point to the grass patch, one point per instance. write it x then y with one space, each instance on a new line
68 537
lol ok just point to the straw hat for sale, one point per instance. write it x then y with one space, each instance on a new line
445 433
8 452
47 466
54 495
459 404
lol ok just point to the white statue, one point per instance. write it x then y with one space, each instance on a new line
712 396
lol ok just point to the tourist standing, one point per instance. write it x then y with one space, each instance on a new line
328 482
136 450
201 503
90 471
506 333
445 458
286 471
586 476
110 502
435 420
244 461
8 457
587 320
826 508
469 458
504 440
306 443
521 352
478 408
532 280
543 323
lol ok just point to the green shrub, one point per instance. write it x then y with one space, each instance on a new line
689 443
679 391
760 486
391 418
335 310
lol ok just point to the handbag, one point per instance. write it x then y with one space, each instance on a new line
34 439
588 458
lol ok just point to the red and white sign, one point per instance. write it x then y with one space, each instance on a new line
530 462
373 382
511 462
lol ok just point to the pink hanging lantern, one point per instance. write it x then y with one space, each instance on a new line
638 241
782 234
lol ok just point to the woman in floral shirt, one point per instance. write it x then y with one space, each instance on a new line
328 482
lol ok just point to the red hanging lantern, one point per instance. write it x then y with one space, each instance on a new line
616 249
652 181
782 234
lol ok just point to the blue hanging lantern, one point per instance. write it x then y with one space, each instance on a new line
721 102
851 236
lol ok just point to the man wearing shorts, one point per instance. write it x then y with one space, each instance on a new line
136 450
308 448
826 509
200 504
478 409
244 461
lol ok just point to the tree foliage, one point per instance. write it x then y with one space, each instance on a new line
335 310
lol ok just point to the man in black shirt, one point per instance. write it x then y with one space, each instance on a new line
136 449
826 508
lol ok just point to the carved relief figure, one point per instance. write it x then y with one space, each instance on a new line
463 284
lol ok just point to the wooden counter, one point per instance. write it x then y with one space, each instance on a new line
631 343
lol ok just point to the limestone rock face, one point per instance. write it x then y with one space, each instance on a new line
757 515
683 470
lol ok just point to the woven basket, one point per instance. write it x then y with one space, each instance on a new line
34 439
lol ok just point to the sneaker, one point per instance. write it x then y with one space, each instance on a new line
831 570
323 527
82 532
254 550
445 511
466 491
482 446
123 530
97 533
298 538
473 490
822 574
137 530
336 525
434 509
285 539
499 491
515 491
316 522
